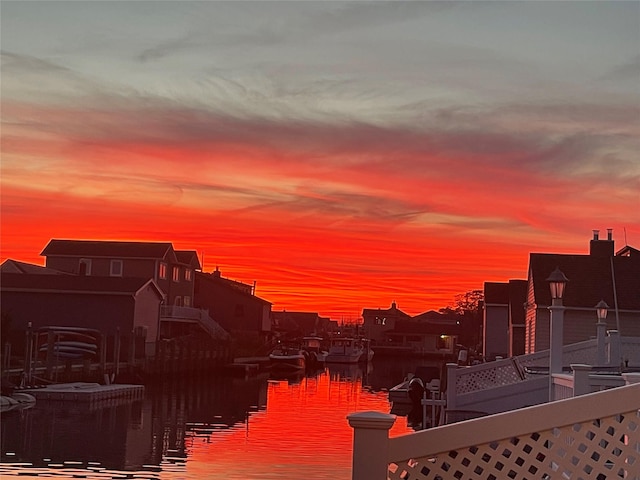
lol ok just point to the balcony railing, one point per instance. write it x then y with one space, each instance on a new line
595 435
195 315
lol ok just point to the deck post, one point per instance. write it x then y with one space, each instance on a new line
581 381
451 385
370 444
614 348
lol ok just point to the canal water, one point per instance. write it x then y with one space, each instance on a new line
222 428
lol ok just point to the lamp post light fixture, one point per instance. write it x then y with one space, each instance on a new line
601 331
557 283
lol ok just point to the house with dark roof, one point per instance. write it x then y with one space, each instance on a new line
428 334
377 321
232 304
107 304
172 270
600 275
299 324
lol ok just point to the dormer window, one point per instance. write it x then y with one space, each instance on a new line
116 268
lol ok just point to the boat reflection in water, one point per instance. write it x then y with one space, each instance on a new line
257 428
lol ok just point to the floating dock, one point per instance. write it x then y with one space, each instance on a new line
87 392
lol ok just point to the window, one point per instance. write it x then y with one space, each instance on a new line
116 268
186 301
162 270
178 301
176 274
84 268
187 274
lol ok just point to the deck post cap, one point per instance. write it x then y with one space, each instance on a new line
372 420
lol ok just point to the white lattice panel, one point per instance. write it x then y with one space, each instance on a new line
600 449
472 379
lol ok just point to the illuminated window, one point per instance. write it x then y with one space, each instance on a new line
176 274
162 271
116 268
186 301
188 275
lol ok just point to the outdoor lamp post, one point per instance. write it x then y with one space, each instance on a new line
601 331
557 282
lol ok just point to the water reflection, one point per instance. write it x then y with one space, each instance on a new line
258 428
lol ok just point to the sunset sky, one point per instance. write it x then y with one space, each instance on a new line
343 155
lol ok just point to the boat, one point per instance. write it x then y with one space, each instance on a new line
16 401
312 345
348 350
70 349
428 376
287 358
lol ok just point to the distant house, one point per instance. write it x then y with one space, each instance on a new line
600 275
232 304
378 321
503 318
109 304
428 334
300 323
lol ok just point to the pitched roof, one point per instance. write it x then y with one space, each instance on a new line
425 328
628 251
437 317
496 293
188 257
99 248
393 310
590 279
28 282
232 285
14 266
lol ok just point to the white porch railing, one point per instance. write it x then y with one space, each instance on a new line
595 435
514 370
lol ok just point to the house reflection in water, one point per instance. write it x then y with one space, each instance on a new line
128 436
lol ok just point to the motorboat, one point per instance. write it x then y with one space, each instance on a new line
312 346
429 377
287 358
348 350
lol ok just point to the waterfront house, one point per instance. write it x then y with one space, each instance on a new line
233 304
172 270
109 304
300 324
378 321
436 338
600 275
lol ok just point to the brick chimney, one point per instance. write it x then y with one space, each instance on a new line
602 248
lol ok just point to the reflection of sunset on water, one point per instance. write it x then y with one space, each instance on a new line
303 433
